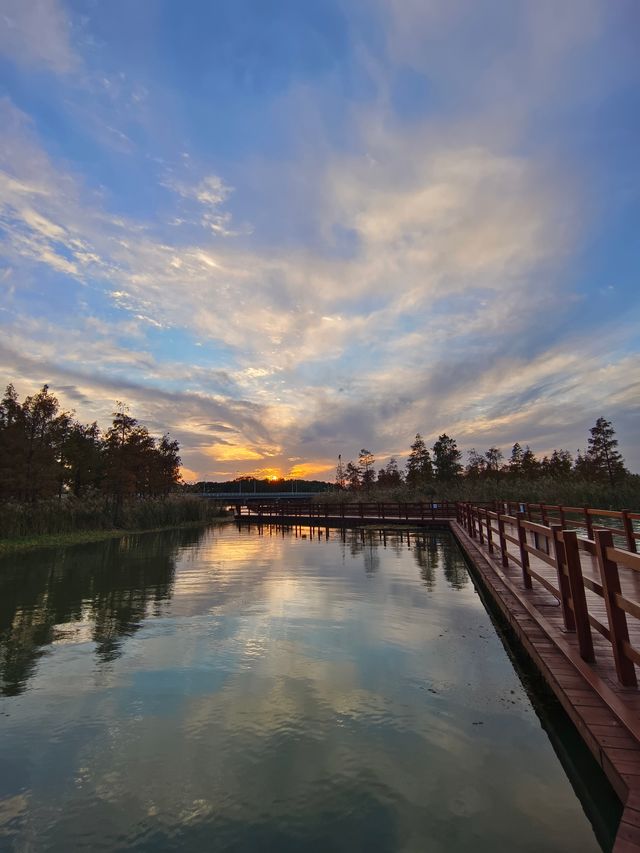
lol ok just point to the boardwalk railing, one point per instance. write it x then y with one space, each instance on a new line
622 522
346 512
537 544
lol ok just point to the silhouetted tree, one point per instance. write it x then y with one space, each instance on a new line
446 458
390 476
366 460
419 467
602 451
476 466
558 465
353 477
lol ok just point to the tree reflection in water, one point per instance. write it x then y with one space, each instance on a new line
109 586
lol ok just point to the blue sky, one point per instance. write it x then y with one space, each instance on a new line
289 230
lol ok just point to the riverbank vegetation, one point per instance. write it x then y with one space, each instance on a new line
59 476
598 477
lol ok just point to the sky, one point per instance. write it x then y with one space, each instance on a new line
286 230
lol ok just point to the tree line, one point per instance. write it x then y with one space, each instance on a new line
45 452
427 469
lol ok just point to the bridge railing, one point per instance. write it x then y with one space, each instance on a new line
624 524
350 511
612 574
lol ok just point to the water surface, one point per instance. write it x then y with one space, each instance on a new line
245 690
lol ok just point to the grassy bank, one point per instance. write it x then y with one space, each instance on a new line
66 520
79 537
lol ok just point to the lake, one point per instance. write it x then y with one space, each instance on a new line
264 689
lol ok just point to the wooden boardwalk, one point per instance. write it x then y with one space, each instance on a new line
590 671
570 590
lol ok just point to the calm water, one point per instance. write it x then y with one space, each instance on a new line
238 691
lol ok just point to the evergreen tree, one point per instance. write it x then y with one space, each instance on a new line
530 466
446 458
558 465
353 477
493 458
419 467
341 479
366 461
515 460
602 451
390 476
476 466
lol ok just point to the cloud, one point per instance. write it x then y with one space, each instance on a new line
37 33
414 278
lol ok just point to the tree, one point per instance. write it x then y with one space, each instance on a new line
341 479
45 430
84 458
602 451
366 461
353 478
390 476
476 466
530 467
166 470
515 460
446 458
558 465
419 467
12 445
493 458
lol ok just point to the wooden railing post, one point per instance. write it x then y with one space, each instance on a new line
588 522
578 597
562 516
617 617
627 525
503 542
563 579
524 554
480 532
489 533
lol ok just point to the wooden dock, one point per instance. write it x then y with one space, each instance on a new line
567 580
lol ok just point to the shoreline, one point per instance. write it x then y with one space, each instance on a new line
81 537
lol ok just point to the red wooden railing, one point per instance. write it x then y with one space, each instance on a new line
559 547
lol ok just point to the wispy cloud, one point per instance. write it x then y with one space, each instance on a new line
37 33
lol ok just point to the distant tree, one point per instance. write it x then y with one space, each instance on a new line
602 451
584 466
446 458
84 458
515 460
558 465
45 429
476 466
166 466
530 466
341 477
390 476
366 461
12 445
494 458
353 476
419 466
